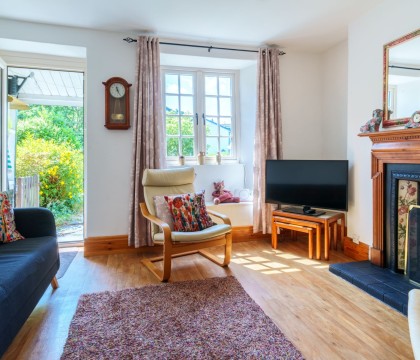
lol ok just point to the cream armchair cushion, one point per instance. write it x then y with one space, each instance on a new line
195 236
159 182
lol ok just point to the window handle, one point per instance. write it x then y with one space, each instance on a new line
196 118
204 119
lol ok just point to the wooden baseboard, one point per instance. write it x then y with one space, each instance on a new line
358 251
244 233
106 245
118 244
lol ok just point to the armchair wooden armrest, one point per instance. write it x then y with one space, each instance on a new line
223 217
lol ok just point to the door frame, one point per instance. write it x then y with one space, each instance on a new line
47 62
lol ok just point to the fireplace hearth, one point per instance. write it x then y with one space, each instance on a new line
382 283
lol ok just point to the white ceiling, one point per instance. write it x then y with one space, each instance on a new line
313 25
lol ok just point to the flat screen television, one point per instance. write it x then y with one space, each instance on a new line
308 183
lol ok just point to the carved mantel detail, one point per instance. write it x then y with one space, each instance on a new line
398 147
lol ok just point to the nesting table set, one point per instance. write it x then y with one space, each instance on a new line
313 226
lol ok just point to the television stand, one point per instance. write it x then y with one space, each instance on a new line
305 210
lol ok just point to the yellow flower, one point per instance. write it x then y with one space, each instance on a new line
62 182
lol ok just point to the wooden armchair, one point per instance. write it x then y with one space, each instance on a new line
158 182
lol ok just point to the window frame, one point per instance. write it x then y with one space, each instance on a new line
199 107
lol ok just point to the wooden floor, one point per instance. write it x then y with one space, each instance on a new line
323 315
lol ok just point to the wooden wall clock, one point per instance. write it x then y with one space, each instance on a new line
117 103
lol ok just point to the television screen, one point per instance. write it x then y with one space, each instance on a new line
310 183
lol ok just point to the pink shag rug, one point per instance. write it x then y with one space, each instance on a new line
201 319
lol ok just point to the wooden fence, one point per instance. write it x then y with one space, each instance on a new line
27 191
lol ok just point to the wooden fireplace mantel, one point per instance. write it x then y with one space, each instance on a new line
393 146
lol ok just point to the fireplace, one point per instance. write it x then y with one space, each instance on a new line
395 148
396 184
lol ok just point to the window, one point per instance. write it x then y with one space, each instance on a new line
199 113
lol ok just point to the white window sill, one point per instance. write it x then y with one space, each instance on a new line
210 161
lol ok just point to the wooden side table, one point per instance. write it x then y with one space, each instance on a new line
299 226
330 218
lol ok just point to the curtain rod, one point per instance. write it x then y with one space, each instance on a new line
209 48
403 67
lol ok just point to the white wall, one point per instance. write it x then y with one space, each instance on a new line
367 35
301 105
248 93
108 153
334 102
302 79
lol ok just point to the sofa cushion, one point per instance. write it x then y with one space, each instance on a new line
22 265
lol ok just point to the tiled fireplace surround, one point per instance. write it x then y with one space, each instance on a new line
396 151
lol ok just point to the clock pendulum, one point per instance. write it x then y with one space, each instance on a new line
117 114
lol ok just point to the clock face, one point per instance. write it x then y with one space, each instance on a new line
416 118
117 90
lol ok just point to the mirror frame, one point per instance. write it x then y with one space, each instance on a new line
394 122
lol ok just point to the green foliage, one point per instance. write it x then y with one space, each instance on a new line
50 143
60 170
174 125
61 124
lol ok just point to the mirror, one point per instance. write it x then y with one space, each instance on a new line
401 93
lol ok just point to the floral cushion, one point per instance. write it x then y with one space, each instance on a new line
189 212
162 211
7 221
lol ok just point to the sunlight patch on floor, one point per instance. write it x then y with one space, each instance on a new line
257 259
307 262
257 267
271 252
276 265
322 267
267 266
288 256
240 261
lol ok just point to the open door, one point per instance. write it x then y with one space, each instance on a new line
45 144
3 122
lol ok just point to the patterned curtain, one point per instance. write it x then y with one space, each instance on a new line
148 140
268 134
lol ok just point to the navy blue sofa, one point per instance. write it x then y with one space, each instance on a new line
27 267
